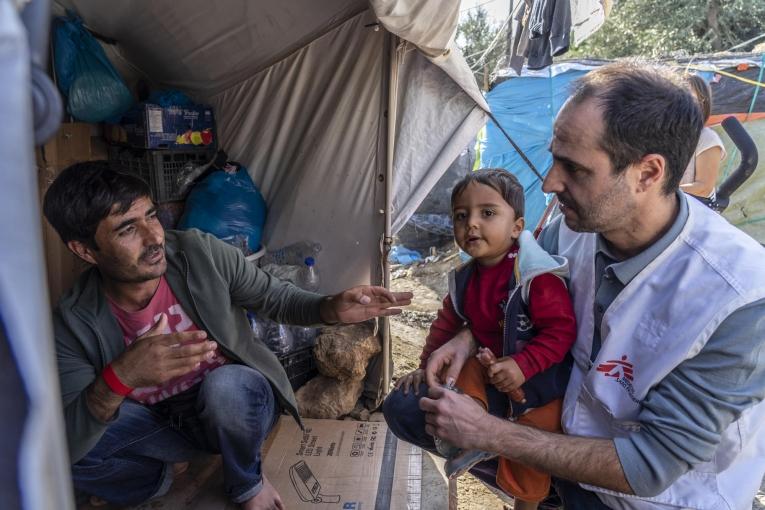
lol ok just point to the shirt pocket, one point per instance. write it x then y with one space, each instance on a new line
649 332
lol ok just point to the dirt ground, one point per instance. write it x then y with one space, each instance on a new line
428 283
408 331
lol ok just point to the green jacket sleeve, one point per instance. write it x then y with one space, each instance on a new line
76 374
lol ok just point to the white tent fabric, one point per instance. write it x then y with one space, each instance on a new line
308 130
431 26
300 91
205 47
43 464
427 135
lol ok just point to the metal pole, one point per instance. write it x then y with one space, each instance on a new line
388 236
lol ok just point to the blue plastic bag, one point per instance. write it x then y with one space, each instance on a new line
402 255
93 89
170 97
227 206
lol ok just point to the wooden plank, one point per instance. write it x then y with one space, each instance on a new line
453 495
199 488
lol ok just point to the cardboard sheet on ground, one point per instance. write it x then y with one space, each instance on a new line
346 465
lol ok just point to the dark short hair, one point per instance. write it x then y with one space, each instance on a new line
703 93
501 181
86 193
647 109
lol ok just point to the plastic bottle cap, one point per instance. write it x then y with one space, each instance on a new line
309 261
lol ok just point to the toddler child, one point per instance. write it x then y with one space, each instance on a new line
513 298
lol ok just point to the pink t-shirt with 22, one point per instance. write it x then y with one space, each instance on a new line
135 324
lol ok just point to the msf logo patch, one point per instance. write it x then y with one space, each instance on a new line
622 371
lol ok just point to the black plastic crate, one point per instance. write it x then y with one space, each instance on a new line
299 365
161 169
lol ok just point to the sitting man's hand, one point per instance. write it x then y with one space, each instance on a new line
411 380
456 418
155 358
362 303
504 373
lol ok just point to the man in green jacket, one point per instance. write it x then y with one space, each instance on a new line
155 353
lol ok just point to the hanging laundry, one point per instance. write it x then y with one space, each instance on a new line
520 36
549 29
587 16
541 29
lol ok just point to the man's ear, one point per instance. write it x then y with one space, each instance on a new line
82 250
652 170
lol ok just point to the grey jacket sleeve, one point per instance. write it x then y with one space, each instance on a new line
76 373
257 290
684 416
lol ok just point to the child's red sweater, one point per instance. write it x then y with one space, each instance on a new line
550 312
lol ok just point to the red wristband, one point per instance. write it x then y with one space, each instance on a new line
114 383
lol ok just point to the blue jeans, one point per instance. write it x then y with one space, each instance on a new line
407 422
230 412
574 497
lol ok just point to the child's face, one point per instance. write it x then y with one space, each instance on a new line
485 226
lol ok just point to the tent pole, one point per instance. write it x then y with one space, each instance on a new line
388 236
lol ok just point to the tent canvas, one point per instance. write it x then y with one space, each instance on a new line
341 109
300 91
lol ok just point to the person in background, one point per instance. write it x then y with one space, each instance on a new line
156 357
700 176
513 298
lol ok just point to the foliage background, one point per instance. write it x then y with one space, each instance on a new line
647 28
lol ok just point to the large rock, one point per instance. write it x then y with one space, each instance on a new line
327 398
343 352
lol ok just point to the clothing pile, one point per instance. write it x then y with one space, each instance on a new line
541 29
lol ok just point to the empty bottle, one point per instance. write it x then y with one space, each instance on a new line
303 336
258 325
293 254
443 446
309 275
279 338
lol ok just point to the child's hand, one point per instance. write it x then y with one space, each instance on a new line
504 373
485 357
411 380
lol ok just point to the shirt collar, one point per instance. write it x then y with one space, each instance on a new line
626 270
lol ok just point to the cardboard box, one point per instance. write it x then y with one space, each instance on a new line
152 126
346 465
71 144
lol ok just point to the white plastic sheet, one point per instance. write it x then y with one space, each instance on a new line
43 470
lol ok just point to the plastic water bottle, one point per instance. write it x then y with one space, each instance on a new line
309 276
279 338
443 446
304 336
294 254
258 325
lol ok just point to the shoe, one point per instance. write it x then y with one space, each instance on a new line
179 468
96 501
551 502
459 464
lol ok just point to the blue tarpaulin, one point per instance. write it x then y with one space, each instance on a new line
526 107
